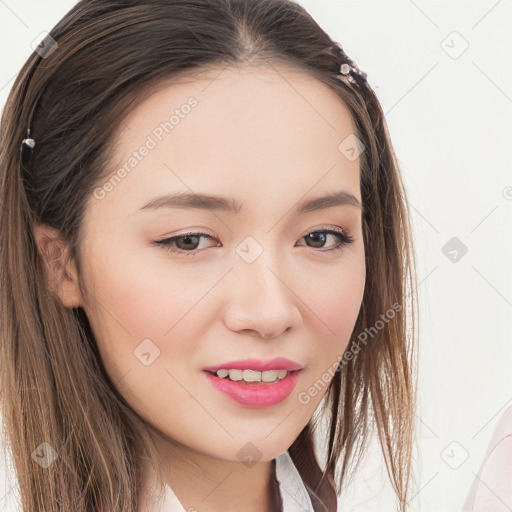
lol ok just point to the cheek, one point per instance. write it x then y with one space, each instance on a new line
138 293
340 303
147 333
336 295
334 303
130 303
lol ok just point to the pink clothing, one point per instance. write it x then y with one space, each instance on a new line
492 487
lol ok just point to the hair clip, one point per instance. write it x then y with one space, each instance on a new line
349 68
28 142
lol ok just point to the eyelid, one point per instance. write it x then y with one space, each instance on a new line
344 239
191 232
326 228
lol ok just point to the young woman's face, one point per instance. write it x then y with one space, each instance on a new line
267 279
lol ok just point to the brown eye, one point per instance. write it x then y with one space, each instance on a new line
185 243
318 239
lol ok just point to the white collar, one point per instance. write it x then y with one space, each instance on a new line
294 495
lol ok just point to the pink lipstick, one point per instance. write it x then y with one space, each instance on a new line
255 394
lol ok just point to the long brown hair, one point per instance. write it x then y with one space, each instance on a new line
109 55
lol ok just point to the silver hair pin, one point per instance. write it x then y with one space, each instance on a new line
349 68
28 141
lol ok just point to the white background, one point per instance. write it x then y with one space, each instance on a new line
449 114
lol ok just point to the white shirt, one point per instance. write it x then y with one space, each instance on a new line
293 493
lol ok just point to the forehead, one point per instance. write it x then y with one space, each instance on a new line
251 130
260 100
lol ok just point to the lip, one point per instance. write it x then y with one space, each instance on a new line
278 363
255 395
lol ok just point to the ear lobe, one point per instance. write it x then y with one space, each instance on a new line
61 275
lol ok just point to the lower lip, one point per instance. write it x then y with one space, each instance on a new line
255 395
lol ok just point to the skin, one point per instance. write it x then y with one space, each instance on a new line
269 138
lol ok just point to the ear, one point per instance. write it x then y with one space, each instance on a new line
61 275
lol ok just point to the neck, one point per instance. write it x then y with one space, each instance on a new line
209 484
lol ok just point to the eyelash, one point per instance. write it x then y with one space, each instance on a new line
343 240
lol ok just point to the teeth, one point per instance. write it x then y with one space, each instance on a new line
252 375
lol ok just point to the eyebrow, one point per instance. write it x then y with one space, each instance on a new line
212 202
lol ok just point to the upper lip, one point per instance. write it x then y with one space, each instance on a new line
278 363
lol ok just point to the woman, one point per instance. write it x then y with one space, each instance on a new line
205 241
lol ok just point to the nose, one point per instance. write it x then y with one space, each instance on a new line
261 299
